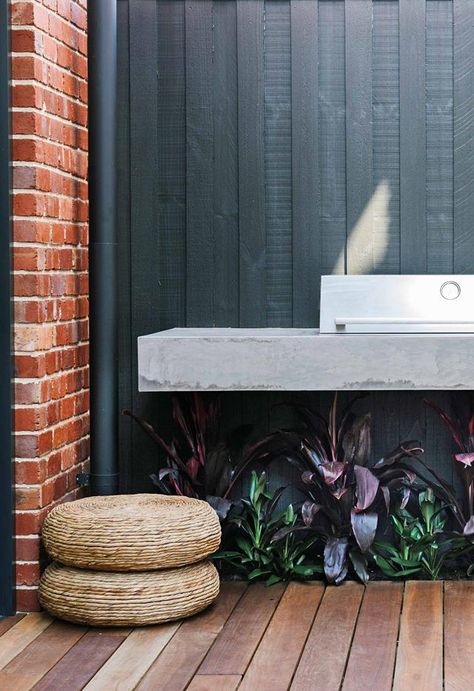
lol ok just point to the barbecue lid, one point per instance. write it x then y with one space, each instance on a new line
397 304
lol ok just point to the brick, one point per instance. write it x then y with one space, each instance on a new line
33 445
30 419
27 549
33 337
31 472
30 366
29 522
27 600
24 40
27 573
32 392
28 497
34 284
50 260
22 13
53 490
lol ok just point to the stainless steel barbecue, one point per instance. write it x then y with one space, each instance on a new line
397 304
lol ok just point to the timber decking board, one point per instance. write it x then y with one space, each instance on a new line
322 663
22 634
215 682
262 634
420 648
372 657
175 666
34 661
81 662
278 653
9 622
458 635
141 647
236 643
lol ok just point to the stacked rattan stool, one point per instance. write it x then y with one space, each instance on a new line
130 560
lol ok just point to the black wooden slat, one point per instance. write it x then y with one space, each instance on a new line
278 173
463 135
250 25
358 42
126 385
199 165
226 200
413 232
331 139
413 240
170 125
385 406
145 291
439 136
439 189
386 137
305 162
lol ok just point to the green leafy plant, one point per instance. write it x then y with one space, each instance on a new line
251 551
198 461
345 498
421 545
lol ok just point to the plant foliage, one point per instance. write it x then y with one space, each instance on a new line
461 429
345 498
421 545
251 551
199 461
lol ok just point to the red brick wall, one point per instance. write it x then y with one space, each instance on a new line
50 233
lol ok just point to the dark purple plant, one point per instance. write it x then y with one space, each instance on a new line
199 462
461 428
345 497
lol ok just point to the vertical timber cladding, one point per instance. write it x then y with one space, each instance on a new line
265 143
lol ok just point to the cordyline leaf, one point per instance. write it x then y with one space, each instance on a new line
407 448
288 530
181 422
169 449
335 559
357 441
221 506
364 526
466 458
359 562
470 427
367 486
307 477
167 472
263 451
309 511
405 497
192 466
448 421
469 527
339 493
331 471
386 496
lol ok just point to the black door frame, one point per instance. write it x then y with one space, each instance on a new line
7 600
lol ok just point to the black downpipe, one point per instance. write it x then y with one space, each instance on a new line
7 599
102 51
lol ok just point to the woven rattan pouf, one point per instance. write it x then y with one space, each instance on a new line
137 532
127 599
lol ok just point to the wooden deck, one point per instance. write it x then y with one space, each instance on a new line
302 636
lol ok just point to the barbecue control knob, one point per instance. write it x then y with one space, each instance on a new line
450 290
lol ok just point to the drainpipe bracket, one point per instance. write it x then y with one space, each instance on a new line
83 479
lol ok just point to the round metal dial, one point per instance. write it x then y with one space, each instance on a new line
450 290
